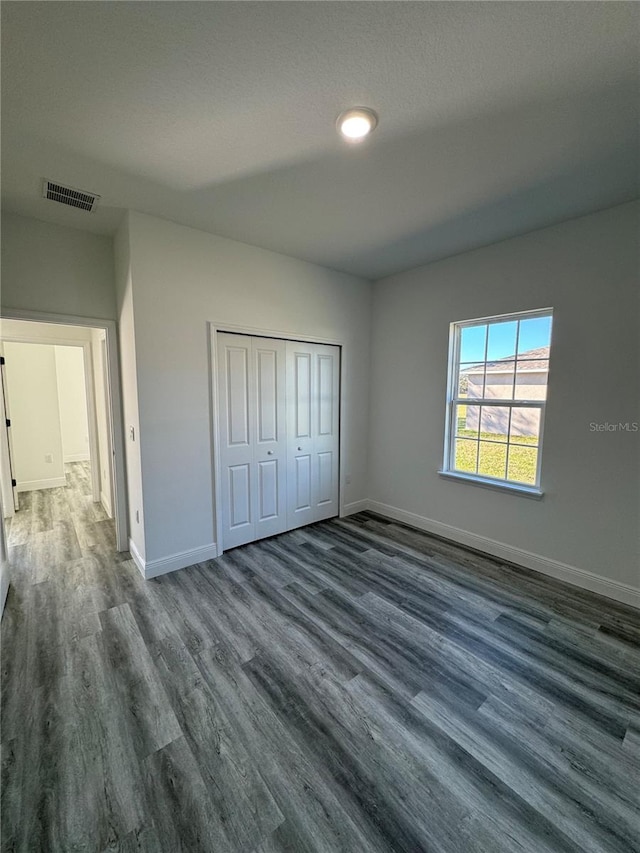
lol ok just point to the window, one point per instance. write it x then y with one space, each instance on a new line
496 400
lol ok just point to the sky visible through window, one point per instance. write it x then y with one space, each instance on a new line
535 332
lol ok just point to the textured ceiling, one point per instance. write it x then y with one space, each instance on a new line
495 119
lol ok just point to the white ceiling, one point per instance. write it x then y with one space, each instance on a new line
495 119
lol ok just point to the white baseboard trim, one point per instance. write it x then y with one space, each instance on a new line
136 557
33 485
76 457
355 506
162 566
561 571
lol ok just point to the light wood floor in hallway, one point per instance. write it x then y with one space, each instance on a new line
355 686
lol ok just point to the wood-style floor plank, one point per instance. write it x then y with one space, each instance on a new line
353 686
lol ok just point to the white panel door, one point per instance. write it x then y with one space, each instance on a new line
269 493
235 394
251 392
299 434
312 432
326 413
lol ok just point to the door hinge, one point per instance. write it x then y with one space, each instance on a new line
14 483
1 359
8 422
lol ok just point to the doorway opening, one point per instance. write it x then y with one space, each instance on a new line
60 431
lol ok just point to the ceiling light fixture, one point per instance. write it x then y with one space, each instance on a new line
356 123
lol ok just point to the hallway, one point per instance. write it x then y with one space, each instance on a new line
56 526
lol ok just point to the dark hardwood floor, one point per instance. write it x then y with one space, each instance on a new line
354 686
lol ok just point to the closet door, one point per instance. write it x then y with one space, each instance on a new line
312 432
270 491
326 413
236 389
251 391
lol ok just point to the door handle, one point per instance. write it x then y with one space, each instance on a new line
269 452
299 448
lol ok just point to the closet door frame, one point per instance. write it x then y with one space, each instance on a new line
214 328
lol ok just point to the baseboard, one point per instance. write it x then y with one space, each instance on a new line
137 558
76 457
162 566
561 571
33 485
355 506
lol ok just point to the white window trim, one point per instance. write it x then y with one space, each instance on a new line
448 469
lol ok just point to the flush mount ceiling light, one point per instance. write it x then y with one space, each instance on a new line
357 123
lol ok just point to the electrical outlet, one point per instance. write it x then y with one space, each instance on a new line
48 457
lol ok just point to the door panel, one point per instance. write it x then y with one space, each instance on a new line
302 395
270 507
267 389
238 394
313 405
302 483
268 491
240 496
236 434
251 391
326 414
326 395
299 439
279 441
325 477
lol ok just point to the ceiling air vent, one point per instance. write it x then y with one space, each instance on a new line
70 196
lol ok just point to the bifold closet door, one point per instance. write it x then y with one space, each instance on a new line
251 393
313 443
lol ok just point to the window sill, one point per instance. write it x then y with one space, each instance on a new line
514 488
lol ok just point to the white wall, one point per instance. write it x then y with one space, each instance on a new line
72 401
183 278
53 268
35 416
129 379
587 270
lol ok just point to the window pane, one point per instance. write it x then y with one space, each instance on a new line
472 343
522 464
534 334
502 361
492 459
471 380
502 340
525 425
467 421
466 457
494 422
499 380
531 379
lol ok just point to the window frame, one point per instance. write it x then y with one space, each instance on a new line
448 469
